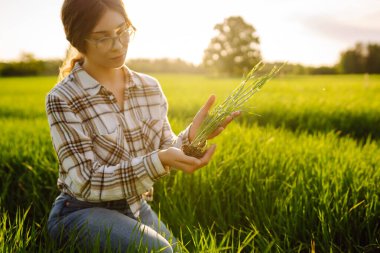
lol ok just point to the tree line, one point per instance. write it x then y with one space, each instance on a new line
28 65
231 52
361 59
236 48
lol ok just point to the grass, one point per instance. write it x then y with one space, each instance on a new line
302 176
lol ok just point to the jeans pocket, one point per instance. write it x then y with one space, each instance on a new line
56 213
58 205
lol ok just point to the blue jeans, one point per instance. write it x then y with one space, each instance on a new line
111 226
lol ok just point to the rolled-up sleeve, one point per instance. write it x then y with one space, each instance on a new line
86 178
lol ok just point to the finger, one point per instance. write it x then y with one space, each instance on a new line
236 114
210 102
216 132
207 156
201 115
188 168
226 121
221 127
224 124
206 107
198 163
230 118
186 160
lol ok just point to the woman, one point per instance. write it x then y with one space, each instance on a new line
110 130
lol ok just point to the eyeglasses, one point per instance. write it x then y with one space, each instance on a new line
107 43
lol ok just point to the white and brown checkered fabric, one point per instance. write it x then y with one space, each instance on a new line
106 154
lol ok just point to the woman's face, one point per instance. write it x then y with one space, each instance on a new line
107 45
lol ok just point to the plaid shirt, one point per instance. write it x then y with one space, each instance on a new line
106 154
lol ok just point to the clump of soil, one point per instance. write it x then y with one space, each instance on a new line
196 152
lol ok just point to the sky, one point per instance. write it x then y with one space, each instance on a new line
309 32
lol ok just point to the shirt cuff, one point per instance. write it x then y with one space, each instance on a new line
146 169
157 170
185 136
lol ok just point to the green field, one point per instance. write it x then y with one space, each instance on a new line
300 174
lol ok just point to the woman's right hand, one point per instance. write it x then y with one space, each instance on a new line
174 157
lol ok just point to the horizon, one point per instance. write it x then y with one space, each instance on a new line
312 34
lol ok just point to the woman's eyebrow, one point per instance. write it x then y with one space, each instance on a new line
118 27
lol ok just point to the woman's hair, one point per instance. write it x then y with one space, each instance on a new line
79 17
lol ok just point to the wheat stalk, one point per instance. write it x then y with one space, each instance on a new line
251 84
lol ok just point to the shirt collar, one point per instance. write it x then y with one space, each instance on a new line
92 86
135 78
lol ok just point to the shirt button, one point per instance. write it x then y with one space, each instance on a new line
111 97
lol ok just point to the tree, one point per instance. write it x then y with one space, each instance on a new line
373 58
353 60
361 59
234 50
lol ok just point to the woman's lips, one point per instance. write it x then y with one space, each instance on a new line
118 57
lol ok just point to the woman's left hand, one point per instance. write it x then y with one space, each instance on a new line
202 114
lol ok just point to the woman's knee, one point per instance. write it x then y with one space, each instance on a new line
148 238
166 247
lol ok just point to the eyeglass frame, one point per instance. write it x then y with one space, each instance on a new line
129 30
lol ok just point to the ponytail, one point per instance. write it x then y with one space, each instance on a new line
72 57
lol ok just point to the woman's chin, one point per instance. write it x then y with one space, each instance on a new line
117 62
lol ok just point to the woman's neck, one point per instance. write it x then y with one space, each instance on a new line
105 76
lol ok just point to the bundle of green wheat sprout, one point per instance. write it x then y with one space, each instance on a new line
250 85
